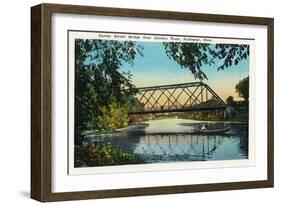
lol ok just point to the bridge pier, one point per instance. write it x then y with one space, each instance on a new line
228 113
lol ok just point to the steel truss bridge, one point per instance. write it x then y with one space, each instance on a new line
194 96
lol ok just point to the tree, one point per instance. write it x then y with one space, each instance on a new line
230 101
113 116
193 56
98 79
242 88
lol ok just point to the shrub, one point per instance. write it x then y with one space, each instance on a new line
114 116
102 155
230 101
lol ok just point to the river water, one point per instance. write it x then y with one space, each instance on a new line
172 140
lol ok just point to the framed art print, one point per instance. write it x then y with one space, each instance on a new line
138 102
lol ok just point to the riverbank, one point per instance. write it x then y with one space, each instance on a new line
140 126
104 154
112 132
239 117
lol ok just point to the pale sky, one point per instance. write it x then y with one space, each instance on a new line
155 68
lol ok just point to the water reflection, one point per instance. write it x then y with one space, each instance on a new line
139 139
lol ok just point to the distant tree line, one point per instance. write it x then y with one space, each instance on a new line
242 89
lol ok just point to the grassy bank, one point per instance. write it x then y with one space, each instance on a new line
217 117
203 116
240 117
104 154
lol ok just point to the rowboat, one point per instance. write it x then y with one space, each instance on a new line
195 132
213 131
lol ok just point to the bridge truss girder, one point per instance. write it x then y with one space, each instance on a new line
195 96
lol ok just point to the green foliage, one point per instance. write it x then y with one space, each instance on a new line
203 116
189 55
240 117
98 79
232 54
103 155
112 117
230 101
193 56
242 88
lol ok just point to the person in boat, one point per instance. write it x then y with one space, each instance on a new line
203 128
